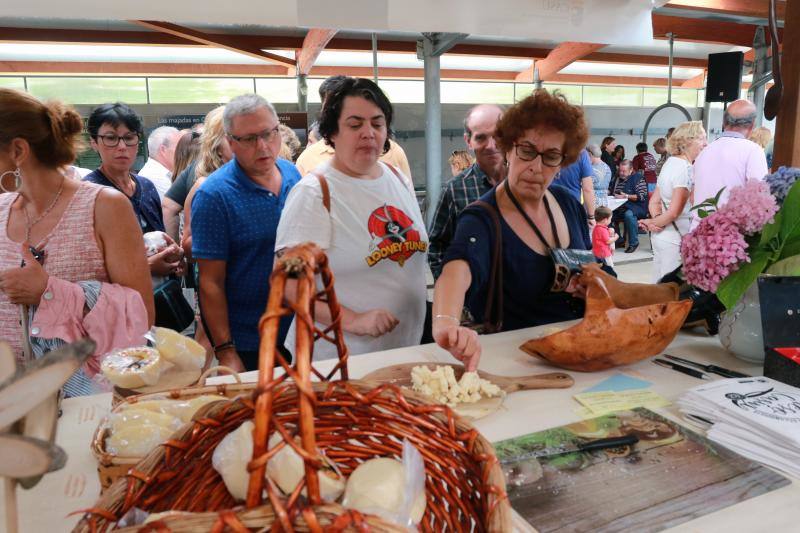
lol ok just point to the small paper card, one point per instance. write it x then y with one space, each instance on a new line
619 382
599 403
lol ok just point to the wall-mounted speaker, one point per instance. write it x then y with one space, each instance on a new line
724 78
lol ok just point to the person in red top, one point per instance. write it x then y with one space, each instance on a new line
645 163
603 236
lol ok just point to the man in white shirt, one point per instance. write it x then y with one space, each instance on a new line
731 160
161 149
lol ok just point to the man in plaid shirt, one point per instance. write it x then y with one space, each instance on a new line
487 171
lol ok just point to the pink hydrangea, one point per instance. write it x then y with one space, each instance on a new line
751 206
715 249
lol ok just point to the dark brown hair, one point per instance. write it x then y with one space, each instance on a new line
602 213
544 109
334 102
52 129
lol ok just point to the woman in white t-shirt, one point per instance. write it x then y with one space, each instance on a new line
670 201
372 230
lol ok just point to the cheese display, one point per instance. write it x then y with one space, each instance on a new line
286 469
133 367
139 427
378 486
441 385
180 350
230 459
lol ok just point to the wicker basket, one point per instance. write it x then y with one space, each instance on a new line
349 421
184 380
110 467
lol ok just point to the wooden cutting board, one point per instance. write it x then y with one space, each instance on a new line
401 375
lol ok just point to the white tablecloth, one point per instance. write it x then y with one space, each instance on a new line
45 507
614 203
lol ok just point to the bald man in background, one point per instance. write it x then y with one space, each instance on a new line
732 159
487 171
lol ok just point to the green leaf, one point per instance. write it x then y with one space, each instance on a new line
732 288
791 247
786 267
702 213
772 230
791 213
715 201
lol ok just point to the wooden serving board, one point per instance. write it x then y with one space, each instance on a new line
401 375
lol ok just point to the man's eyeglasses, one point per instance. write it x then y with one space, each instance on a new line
111 140
528 152
252 140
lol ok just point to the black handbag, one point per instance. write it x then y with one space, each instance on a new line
172 309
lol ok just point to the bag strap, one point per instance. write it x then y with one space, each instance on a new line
493 314
326 192
673 222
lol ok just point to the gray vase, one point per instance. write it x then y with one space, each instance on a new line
740 328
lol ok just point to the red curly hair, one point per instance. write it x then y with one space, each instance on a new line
544 109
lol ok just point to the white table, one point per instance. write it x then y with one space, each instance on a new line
614 203
76 486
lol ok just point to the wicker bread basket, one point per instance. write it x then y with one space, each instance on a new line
349 421
110 467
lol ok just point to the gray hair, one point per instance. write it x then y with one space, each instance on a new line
159 137
594 150
246 104
744 121
626 163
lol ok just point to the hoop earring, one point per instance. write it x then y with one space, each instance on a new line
17 180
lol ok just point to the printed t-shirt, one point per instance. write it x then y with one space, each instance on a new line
376 243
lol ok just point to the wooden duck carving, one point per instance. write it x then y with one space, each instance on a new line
613 334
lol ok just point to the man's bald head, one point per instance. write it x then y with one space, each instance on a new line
739 116
481 113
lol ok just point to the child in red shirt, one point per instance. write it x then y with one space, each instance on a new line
603 236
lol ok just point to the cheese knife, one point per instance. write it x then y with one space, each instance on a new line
592 445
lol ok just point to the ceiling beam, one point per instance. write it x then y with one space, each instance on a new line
139 68
704 31
314 43
742 8
698 82
416 73
611 80
562 55
228 42
643 59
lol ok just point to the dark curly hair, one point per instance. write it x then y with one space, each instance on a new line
546 109
332 110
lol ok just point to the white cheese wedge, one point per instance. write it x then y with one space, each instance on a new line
180 350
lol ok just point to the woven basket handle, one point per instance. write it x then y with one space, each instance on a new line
224 369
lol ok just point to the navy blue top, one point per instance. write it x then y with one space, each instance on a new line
570 176
235 220
145 200
527 275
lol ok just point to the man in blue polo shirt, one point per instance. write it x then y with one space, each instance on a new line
235 214
577 179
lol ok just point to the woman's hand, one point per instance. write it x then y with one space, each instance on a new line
461 342
25 285
375 322
648 225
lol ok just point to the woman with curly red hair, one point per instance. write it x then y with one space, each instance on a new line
538 135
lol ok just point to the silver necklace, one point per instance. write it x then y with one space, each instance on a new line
38 219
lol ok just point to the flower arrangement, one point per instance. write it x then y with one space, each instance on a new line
757 230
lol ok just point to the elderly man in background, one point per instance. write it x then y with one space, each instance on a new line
630 186
161 161
731 160
487 171
235 215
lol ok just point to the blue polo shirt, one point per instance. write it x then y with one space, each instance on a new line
570 176
235 220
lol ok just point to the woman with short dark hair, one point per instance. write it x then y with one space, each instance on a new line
607 148
538 135
360 212
115 131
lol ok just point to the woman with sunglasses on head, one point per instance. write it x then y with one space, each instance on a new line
115 131
538 136
70 251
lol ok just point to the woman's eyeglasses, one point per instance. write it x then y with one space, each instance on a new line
528 152
252 140
111 140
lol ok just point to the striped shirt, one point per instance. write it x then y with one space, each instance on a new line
457 194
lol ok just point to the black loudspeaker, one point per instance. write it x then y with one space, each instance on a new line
724 76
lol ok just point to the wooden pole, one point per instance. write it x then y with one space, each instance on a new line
787 127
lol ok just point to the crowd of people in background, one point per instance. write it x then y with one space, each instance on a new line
230 194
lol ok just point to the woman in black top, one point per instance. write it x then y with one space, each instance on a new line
607 148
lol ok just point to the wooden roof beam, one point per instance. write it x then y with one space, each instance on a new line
230 42
314 43
563 55
75 68
698 82
742 8
705 31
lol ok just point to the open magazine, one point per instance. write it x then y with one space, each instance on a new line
758 418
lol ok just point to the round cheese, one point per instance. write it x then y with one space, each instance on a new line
378 487
133 367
